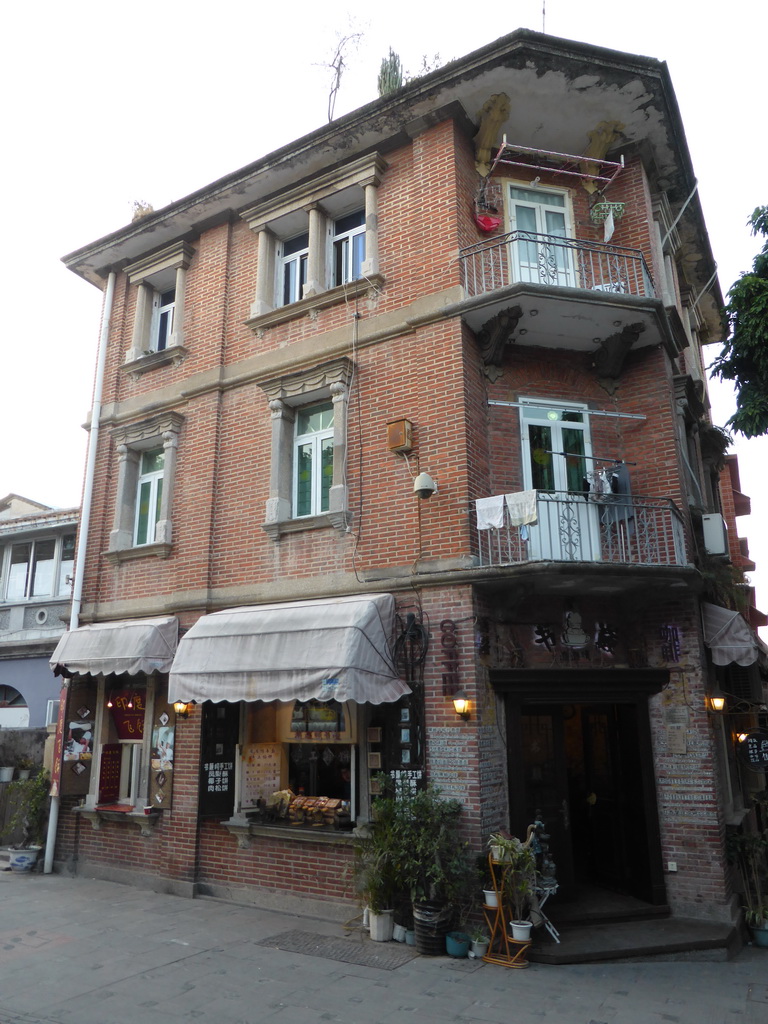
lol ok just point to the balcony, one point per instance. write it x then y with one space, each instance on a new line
563 293
629 531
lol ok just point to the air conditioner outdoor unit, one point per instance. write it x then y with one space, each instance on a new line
715 534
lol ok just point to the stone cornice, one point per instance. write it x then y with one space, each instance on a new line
365 170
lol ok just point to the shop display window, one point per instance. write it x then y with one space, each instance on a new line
299 764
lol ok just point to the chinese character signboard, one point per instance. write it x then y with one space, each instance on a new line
109 774
127 709
753 750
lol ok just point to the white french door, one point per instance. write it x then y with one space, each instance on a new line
555 443
539 218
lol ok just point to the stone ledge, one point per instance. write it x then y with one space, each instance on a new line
145 823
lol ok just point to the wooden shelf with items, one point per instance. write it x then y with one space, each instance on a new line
502 949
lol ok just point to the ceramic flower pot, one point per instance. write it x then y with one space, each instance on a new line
457 944
521 930
381 925
490 898
24 860
6 774
478 948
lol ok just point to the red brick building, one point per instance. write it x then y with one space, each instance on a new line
412 406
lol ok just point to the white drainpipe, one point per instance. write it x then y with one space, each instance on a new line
85 522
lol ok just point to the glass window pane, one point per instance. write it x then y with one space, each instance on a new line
152 462
304 456
313 419
67 565
158 503
575 465
42 568
17 571
542 470
350 222
142 519
533 195
358 255
326 470
296 244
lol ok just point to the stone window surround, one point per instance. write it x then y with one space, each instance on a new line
310 207
285 395
160 271
131 440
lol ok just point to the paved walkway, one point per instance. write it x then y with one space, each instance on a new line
74 951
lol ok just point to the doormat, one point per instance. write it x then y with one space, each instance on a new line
386 956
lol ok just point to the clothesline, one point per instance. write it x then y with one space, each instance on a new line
592 458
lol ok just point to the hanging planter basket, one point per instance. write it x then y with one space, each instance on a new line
601 211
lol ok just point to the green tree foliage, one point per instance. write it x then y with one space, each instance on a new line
744 358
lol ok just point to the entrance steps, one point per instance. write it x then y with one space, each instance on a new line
602 926
642 939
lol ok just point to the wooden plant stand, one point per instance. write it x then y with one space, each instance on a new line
502 949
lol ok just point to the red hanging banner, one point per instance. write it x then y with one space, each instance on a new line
127 709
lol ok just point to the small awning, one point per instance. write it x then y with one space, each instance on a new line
334 649
728 636
126 647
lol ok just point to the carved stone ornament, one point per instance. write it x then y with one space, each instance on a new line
609 358
493 114
496 334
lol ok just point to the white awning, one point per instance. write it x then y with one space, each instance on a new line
729 636
334 649
126 647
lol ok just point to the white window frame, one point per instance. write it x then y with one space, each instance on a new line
153 480
295 262
58 586
547 540
563 269
131 441
328 381
158 327
343 245
163 309
314 208
316 440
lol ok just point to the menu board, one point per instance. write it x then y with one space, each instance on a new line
754 749
261 771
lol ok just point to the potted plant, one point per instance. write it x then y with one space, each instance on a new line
414 846
29 798
480 940
25 765
518 878
749 851
376 878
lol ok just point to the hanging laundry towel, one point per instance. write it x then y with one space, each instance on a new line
490 512
521 507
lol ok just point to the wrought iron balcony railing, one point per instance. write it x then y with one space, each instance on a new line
549 259
622 530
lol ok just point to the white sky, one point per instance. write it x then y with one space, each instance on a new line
106 103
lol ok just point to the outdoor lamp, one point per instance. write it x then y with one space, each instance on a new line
181 708
461 705
717 701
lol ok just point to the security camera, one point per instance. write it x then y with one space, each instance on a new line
424 486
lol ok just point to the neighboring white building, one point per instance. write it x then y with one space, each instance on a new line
37 557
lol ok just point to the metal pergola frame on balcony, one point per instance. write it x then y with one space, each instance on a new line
609 169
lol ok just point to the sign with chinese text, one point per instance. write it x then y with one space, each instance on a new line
753 750
127 709
109 774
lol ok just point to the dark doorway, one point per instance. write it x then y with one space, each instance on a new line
586 769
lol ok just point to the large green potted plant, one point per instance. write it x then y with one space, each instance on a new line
375 873
29 799
414 846
749 851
